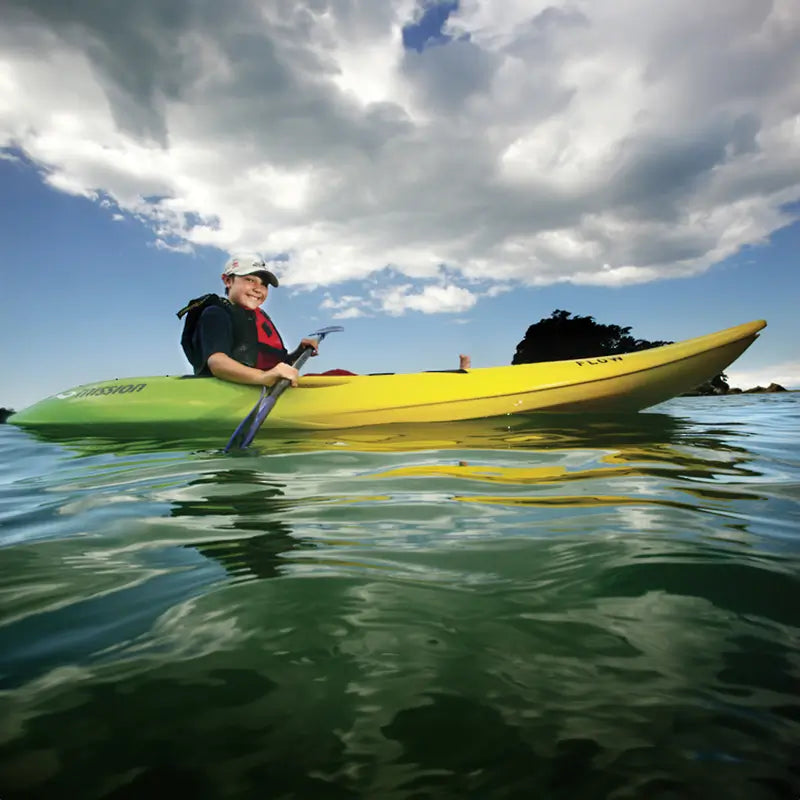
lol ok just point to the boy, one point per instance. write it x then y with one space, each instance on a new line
231 337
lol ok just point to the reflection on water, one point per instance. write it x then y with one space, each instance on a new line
252 535
559 607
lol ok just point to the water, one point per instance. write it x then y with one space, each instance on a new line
566 608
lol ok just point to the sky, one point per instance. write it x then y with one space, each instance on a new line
433 176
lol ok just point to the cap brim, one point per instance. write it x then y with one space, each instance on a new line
266 275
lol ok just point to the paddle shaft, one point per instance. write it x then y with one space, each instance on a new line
252 422
267 403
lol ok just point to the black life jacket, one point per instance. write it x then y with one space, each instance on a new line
256 341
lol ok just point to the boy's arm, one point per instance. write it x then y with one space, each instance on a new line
228 369
297 352
215 336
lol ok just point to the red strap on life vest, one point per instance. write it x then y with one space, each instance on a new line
331 372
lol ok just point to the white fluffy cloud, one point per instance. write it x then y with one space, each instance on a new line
399 299
786 374
595 141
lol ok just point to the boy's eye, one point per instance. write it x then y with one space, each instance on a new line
252 280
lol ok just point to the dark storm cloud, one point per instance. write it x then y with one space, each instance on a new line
554 141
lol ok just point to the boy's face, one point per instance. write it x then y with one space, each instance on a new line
248 291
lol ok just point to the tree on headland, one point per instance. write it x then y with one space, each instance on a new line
562 337
5 413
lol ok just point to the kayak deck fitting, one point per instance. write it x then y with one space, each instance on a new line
607 384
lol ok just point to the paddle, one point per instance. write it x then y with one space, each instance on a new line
248 427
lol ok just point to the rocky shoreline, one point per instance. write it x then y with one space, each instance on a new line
720 387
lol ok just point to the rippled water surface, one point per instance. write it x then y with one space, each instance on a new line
559 608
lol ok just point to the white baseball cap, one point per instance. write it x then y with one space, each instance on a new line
249 264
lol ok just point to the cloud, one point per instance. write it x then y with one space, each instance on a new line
786 374
399 298
346 306
172 247
349 313
497 289
604 143
431 300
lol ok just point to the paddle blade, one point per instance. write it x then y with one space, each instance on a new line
238 436
323 332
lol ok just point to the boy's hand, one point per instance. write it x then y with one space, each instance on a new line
312 343
272 376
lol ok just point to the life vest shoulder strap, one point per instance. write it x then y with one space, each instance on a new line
198 304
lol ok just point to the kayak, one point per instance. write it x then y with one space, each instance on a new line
607 384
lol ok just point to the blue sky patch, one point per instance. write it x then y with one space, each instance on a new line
427 31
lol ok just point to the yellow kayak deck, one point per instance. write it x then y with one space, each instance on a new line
608 384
